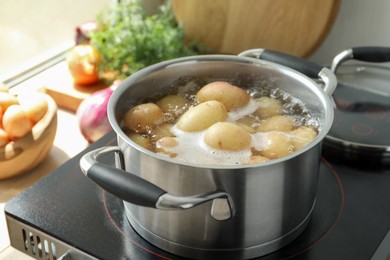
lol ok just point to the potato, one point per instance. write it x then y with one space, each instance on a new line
257 159
276 123
161 131
16 122
142 140
278 145
143 117
302 136
249 123
231 96
3 138
164 143
268 107
202 116
35 105
227 136
7 100
173 104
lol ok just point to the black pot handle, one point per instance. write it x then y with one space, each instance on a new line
128 187
136 190
308 68
368 54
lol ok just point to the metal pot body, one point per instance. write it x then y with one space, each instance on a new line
272 205
266 206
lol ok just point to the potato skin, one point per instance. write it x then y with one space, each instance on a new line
277 123
173 104
229 95
279 145
202 116
7 100
143 117
16 122
227 136
256 159
248 123
302 136
142 140
268 107
166 142
35 105
161 131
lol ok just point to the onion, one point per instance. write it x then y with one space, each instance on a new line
92 114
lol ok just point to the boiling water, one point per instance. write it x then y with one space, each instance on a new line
192 148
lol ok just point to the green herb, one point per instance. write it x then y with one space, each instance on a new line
129 40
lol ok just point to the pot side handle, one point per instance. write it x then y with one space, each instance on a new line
308 68
116 181
369 54
136 190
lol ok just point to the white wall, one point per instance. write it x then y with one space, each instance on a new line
31 29
359 23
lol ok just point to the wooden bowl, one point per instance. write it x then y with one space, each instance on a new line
24 154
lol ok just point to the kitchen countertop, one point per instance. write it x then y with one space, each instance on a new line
67 143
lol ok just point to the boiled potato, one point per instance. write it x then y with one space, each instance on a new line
249 123
3 138
229 95
35 105
7 100
161 131
202 116
173 104
257 159
276 123
143 117
163 144
142 140
227 136
268 107
278 145
302 136
16 122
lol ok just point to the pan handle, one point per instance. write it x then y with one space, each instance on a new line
139 191
306 67
369 54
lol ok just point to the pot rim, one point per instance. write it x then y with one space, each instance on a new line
118 92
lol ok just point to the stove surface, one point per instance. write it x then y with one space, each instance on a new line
67 214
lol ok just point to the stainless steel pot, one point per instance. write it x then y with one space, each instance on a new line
208 211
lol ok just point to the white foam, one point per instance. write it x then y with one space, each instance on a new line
192 148
238 113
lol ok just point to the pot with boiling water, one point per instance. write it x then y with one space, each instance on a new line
209 210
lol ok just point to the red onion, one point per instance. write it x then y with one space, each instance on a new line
92 114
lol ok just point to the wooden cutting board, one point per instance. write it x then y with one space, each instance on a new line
58 83
297 27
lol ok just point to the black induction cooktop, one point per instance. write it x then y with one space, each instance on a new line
67 216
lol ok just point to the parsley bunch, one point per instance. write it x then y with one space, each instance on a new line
129 40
